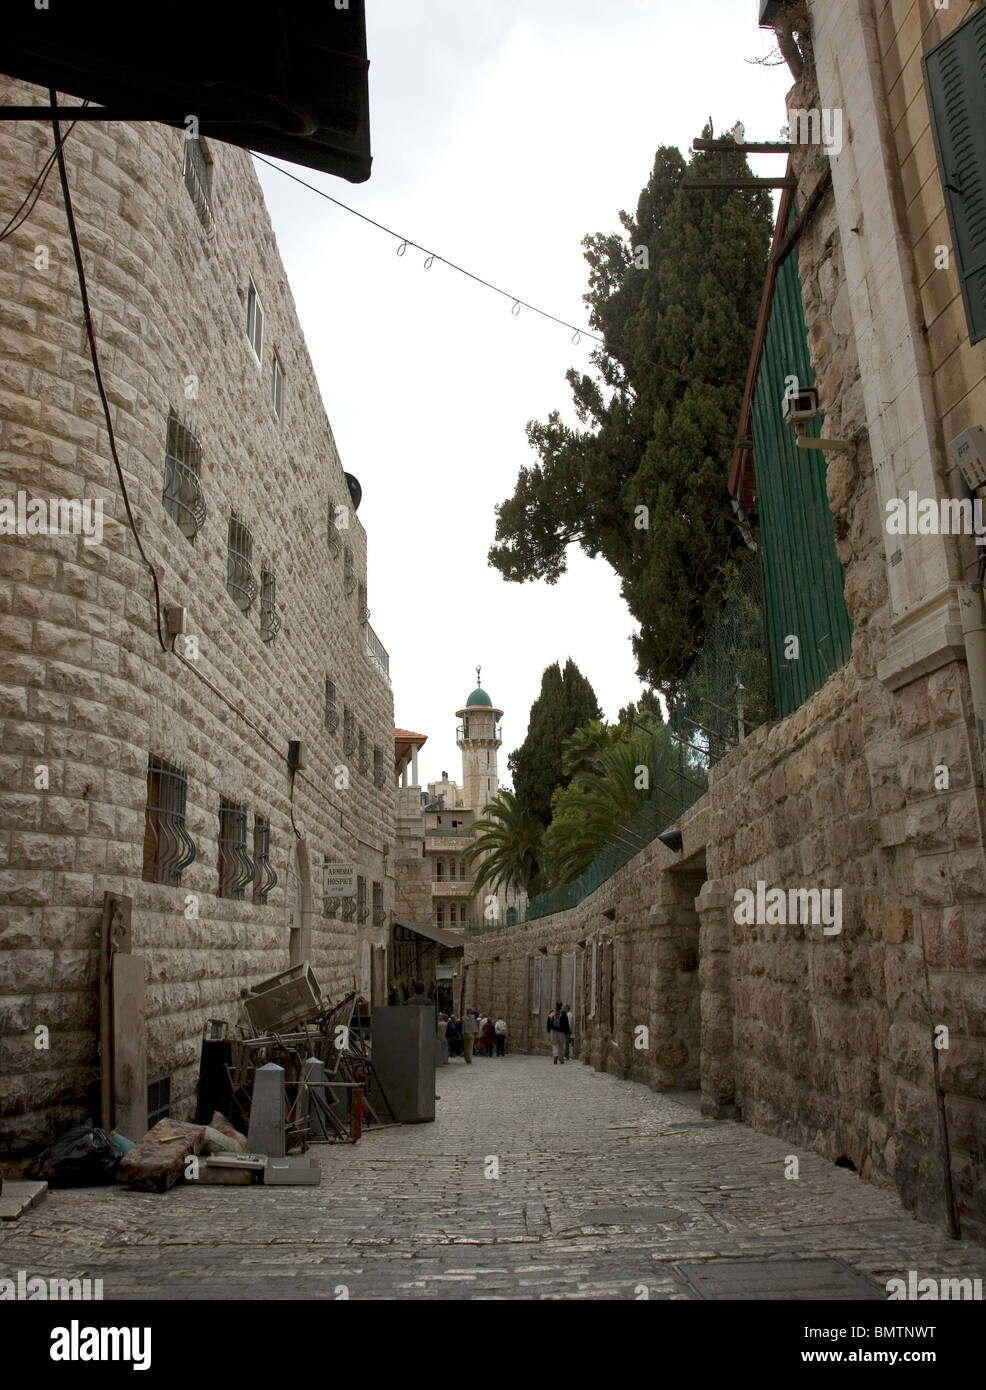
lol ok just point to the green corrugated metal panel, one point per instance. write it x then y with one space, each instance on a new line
803 579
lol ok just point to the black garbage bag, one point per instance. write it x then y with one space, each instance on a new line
81 1157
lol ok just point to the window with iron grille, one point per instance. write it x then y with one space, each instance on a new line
240 582
452 914
331 713
378 904
349 909
349 571
168 847
236 868
197 174
265 877
451 869
364 612
440 870
183 498
255 322
270 618
276 384
334 536
440 915
364 757
158 1100
348 730
330 907
362 911
378 768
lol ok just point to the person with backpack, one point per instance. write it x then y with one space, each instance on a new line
558 1030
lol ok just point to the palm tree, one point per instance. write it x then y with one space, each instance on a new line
608 791
508 845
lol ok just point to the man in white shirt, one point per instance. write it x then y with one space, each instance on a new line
501 1036
571 1031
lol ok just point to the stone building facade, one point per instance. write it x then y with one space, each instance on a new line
874 786
244 510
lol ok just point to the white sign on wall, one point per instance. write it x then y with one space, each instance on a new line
340 880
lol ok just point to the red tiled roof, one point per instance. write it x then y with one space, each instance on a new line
405 736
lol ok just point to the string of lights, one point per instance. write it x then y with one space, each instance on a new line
431 256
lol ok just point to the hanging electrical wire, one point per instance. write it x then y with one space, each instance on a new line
23 212
432 256
91 335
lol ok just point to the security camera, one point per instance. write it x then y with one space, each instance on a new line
800 407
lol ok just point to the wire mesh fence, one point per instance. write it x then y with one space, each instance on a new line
727 691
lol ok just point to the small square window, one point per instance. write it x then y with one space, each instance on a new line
255 321
276 385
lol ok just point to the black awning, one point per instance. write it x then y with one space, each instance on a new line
289 81
449 939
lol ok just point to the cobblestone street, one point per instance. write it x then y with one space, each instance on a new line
605 1191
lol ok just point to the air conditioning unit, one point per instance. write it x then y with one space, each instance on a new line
800 407
769 10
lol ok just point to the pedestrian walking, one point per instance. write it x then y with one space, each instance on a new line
501 1036
558 1030
470 1027
571 1031
489 1037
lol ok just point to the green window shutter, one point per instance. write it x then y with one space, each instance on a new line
955 80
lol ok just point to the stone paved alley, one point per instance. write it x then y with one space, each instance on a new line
604 1189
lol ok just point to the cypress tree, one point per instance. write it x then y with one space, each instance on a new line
566 702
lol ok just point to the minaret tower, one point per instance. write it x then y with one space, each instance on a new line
479 737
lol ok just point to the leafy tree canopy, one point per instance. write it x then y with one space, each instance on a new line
675 295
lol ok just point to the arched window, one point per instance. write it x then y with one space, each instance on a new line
462 868
440 870
440 914
451 869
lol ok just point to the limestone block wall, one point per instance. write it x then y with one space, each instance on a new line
645 975
87 692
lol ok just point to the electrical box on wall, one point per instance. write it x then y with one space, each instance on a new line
297 755
968 450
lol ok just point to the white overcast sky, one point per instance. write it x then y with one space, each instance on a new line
502 132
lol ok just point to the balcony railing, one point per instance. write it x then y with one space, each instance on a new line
377 652
464 732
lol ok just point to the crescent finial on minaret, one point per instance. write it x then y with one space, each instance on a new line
478 677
